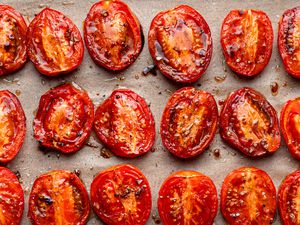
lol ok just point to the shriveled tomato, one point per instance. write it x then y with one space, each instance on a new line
64 118
180 43
125 124
54 43
58 197
12 40
248 196
247 41
113 35
189 122
289 199
188 197
12 126
121 195
249 123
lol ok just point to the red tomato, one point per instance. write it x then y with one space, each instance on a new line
248 197
188 197
64 118
12 126
247 41
113 35
121 195
180 44
58 197
12 40
125 124
189 122
289 199
54 43
249 123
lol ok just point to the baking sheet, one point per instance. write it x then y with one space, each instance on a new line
156 165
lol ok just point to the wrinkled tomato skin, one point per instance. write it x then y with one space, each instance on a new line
189 122
58 197
249 123
125 124
188 197
288 197
113 35
13 40
180 44
12 126
55 45
64 118
248 197
121 195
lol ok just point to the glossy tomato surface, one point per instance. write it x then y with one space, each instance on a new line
180 43
248 196
54 43
12 126
58 197
189 122
249 123
125 124
188 197
64 118
121 195
12 40
113 35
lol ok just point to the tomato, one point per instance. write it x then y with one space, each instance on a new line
113 35
121 195
125 124
12 40
12 126
289 199
54 43
188 197
248 196
58 197
180 44
64 118
249 123
247 41
189 122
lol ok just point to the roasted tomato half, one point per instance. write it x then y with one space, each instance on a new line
188 197
54 43
12 126
113 35
180 44
58 197
249 123
121 195
248 196
64 118
189 122
12 40
289 199
125 124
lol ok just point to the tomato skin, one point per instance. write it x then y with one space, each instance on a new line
13 40
112 45
179 132
54 43
121 195
64 118
245 54
188 197
58 197
249 123
248 196
125 124
172 44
